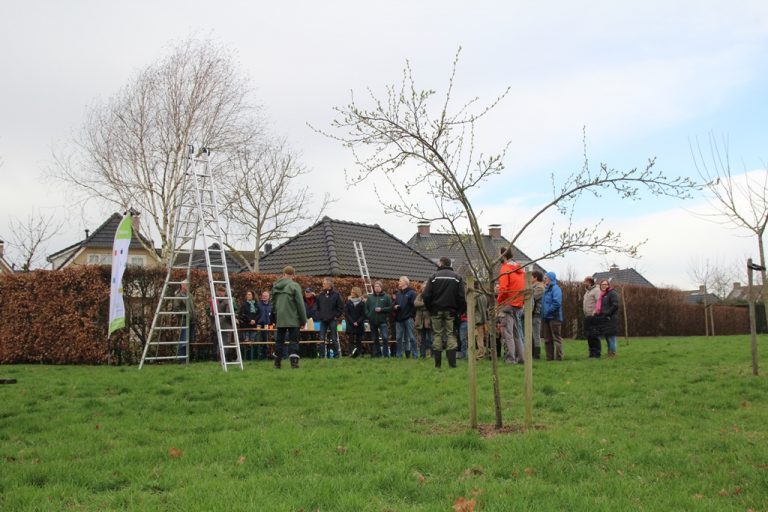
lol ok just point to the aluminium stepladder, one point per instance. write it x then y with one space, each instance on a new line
363 265
197 217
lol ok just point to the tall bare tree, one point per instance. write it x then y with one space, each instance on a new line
264 199
29 235
426 148
131 149
739 201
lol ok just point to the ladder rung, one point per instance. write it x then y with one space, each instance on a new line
168 328
165 342
157 358
169 313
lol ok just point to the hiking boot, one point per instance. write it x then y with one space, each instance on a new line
294 361
451 358
277 362
438 358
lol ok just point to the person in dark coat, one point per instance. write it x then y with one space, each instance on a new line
247 316
330 306
591 325
377 309
355 316
444 297
607 314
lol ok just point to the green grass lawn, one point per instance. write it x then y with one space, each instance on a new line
671 424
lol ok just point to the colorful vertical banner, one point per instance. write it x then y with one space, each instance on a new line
119 262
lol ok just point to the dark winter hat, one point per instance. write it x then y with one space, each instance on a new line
309 290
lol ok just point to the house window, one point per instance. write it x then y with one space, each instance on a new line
137 261
99 259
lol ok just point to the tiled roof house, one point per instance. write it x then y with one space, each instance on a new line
326 249
698 296
627 276
96 248
437 245
740 293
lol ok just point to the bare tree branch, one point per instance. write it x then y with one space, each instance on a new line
264 200
740 201
130 150
29 236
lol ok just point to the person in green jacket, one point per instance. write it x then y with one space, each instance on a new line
290 315
377 309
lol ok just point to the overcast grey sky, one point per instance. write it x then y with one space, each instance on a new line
643 77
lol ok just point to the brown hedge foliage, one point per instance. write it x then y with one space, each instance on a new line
60 317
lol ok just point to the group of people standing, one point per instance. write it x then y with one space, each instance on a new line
428 318
547 311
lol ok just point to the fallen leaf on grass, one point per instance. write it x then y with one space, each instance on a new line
98 426
723 492
241 460
464 505
341 450
421 478
738 490
698 496
473 471
745 404
175 453
530 471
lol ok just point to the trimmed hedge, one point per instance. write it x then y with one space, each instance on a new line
60 317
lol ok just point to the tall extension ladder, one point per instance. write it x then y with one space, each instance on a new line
197 216
363 267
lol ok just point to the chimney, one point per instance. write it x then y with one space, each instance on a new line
614 268
423 228
267 248
2 248
736 285
494 230
87 232
702 288
135 220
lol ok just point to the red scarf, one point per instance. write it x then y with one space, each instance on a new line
599 305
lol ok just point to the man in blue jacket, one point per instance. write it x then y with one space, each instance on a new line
552 316
405 309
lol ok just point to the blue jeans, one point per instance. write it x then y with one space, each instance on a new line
463 334
292 333
380 337
611 343
426 341
182 350
512 333
325 328
405 334
250 350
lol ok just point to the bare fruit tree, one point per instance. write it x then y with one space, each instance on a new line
264 199
426 148
28 237
130 152
740 201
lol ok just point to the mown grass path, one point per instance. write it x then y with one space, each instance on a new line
671 424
